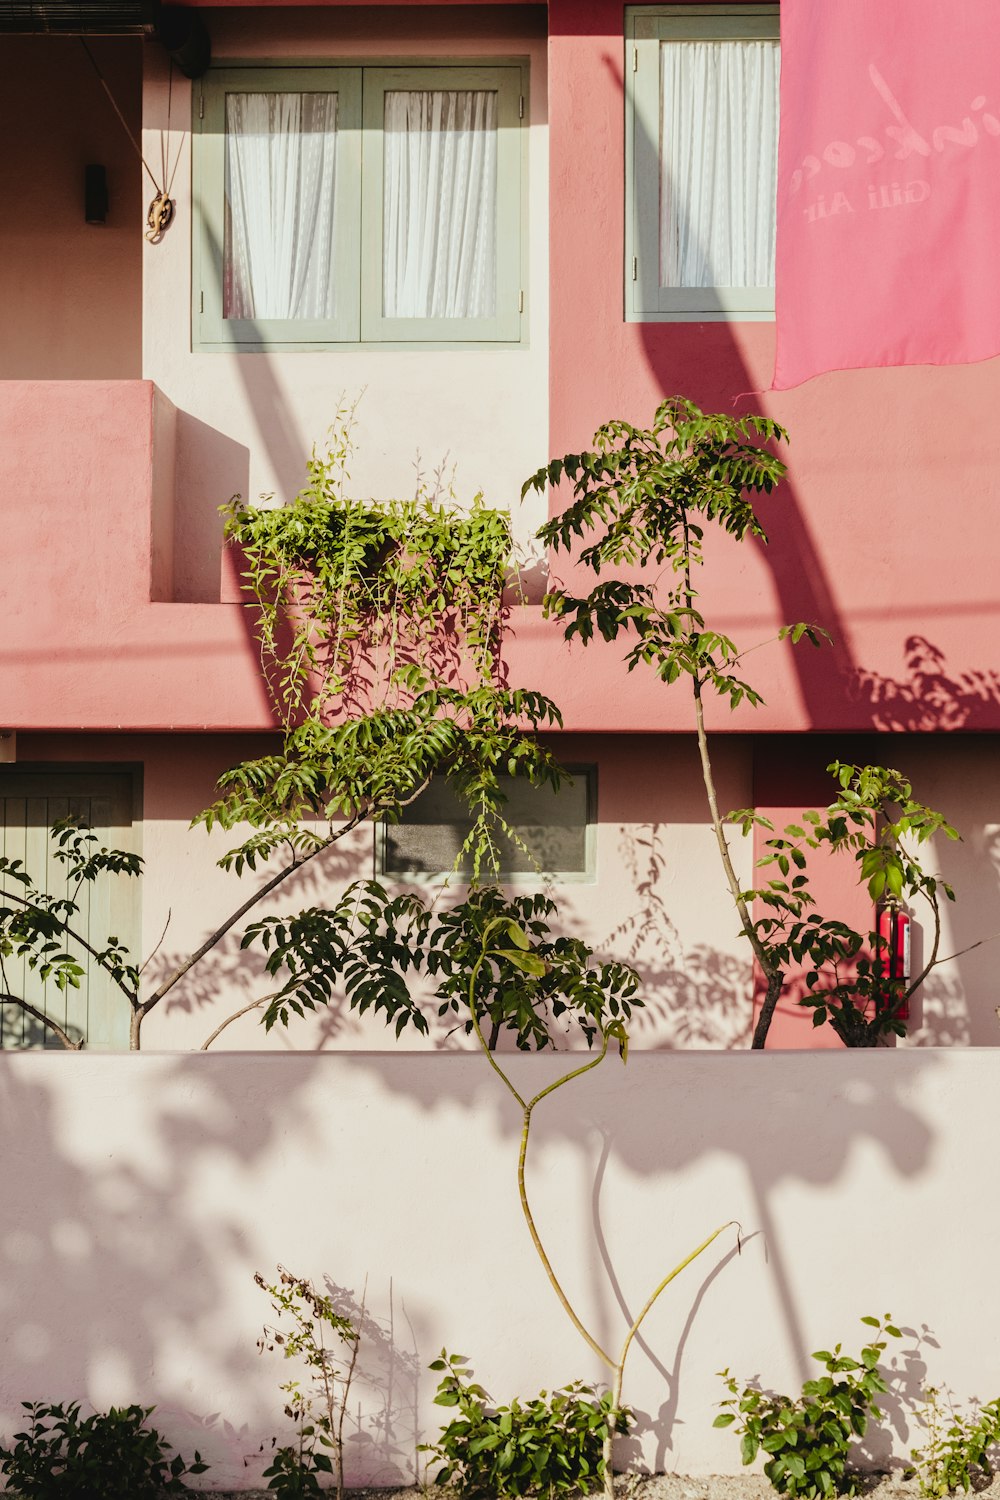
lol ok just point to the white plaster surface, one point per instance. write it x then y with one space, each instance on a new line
141 1193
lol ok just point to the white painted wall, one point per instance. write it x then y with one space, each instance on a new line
141 1193
658 901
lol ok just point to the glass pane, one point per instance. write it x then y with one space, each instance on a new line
281 158
552 825
718 162
440 203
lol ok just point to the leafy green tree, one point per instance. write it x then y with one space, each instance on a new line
641 503
848 975
380 627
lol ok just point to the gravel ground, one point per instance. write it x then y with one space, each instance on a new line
657 1487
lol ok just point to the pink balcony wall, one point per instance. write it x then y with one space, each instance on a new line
90 637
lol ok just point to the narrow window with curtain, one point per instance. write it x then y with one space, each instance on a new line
280 181
439 256
718 162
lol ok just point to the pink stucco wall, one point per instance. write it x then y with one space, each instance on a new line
86 493
879 533
94 489
142 1193
860 540
71 291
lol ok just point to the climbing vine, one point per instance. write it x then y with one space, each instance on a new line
366 603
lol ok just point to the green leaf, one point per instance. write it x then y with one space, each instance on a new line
528 963
518 936
749 1448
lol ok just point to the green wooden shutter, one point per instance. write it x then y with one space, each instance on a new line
646 27
30 802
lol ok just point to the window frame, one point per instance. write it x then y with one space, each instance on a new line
359 323
586 773
645 27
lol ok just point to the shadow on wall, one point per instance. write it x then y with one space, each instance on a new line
383 1425
694 997
237 973
110 1275
929 696
211 468
756 1125
958 1003
140 1196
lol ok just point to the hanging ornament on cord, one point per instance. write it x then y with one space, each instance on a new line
161 210
158 219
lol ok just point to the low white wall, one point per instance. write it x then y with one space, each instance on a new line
140 1194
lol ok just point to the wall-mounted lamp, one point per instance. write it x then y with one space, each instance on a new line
95 194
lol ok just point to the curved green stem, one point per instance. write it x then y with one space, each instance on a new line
681 1266
529 1218
473 976
619 1368
594 1062
522 1155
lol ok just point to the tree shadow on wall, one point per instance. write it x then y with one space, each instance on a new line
383 1425
929 696
110 1278
696 996
236 973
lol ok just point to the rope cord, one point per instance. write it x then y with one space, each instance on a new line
168 177
138 149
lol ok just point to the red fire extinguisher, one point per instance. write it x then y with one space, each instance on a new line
893 926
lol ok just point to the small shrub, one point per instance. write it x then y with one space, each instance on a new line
110 1456
808 1440
326 1343
551 1445
955 1454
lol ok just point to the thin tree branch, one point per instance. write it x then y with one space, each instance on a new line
932 961
241 911
961 951
40 1015
254 1005
158 945
71 932
774 976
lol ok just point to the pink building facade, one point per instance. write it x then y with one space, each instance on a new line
126 426
140 1193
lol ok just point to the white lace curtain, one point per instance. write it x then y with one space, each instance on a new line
281 154
718 163
440 203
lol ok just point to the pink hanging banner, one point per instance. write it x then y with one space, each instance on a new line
888 247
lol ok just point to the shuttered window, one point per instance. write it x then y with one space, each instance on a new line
359 205
30 802
702 146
